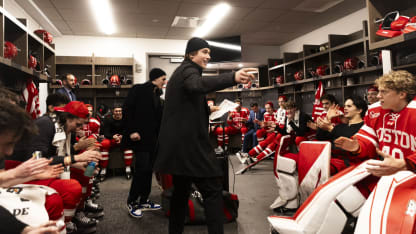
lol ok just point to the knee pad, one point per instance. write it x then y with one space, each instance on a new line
218 131
352 200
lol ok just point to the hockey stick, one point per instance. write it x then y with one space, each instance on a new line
243 170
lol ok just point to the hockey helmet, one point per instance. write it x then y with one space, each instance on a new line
58 82
298 75
280 80
322 70
392 24
10 50
128 82
351 63
85 82
32 62
45 35
115 81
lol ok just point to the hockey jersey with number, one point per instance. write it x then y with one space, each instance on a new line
92 128
236 117
393 133
280 116
269 117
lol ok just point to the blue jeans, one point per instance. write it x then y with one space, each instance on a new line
251 134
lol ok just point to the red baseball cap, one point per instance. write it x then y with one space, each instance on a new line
76 108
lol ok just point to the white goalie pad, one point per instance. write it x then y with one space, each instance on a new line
311 215
391 206
352 200
288 186
334 221
286 165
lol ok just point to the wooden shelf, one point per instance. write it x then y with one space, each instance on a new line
348 44
404 66
360 84
325 52
399 41
13 69
276 67
94 87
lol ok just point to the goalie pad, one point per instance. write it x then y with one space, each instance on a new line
391 207
352 200
311 215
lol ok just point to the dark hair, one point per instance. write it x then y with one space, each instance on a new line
56 99
117 105
290 104
62 117
16 121
254 104
330 98
238 100
12 97
68 74
360 103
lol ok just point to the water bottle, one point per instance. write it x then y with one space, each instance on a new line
37 154
90 169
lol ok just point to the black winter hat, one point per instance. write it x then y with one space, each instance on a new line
156 73
195 44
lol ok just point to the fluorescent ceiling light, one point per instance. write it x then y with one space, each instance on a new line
225 45
212 19
240 65
103 15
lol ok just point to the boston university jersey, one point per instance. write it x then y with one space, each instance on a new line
280 116
92 128
393 133
237 117
336 120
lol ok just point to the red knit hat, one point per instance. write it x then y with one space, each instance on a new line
372 88
270 103
76 108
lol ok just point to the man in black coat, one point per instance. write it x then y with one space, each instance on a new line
69 85
142 114
184 149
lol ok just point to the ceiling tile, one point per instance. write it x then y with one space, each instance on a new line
81 28
145 30
158 7
193 10
125 5
44 4
81 15
62 26
238 13
263 15
280 4
187 32
51 13
297 17
72 4
155 20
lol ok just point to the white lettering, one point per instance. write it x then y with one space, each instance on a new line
387 136
405 141
413 142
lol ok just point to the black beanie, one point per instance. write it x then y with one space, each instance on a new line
156 73
195 44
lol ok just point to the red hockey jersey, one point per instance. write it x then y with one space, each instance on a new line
236 117
393 133
92 128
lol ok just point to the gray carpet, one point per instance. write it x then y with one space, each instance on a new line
256 190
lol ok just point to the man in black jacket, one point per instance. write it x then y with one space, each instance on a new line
141 119
184 149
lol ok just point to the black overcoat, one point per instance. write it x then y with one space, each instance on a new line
142 113
183 146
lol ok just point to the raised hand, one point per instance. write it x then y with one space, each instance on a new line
388 166
333 112
243 76
347 144
30 167
51 171
88 156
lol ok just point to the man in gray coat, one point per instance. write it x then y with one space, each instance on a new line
184 148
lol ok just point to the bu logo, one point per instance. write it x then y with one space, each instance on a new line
411 208
394 117
374 115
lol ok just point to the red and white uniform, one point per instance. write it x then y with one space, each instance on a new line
393 133
235 125
264 132
92 129
280 116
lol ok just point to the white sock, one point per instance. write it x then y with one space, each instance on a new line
128 169
103 171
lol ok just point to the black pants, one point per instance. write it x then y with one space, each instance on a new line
141 183
211 190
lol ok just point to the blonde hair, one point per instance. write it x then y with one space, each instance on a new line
399 81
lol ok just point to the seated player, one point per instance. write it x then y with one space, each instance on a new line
236 124
266 125
327 101
372 92
112 131
281 112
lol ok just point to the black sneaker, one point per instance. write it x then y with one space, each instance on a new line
95 215
90 206
71 228
82 221
128 175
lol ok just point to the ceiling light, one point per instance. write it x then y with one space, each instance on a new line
225 45
240 65
212 19
103 15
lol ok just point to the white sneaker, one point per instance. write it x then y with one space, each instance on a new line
242 157
219 150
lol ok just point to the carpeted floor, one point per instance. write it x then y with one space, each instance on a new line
256 190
